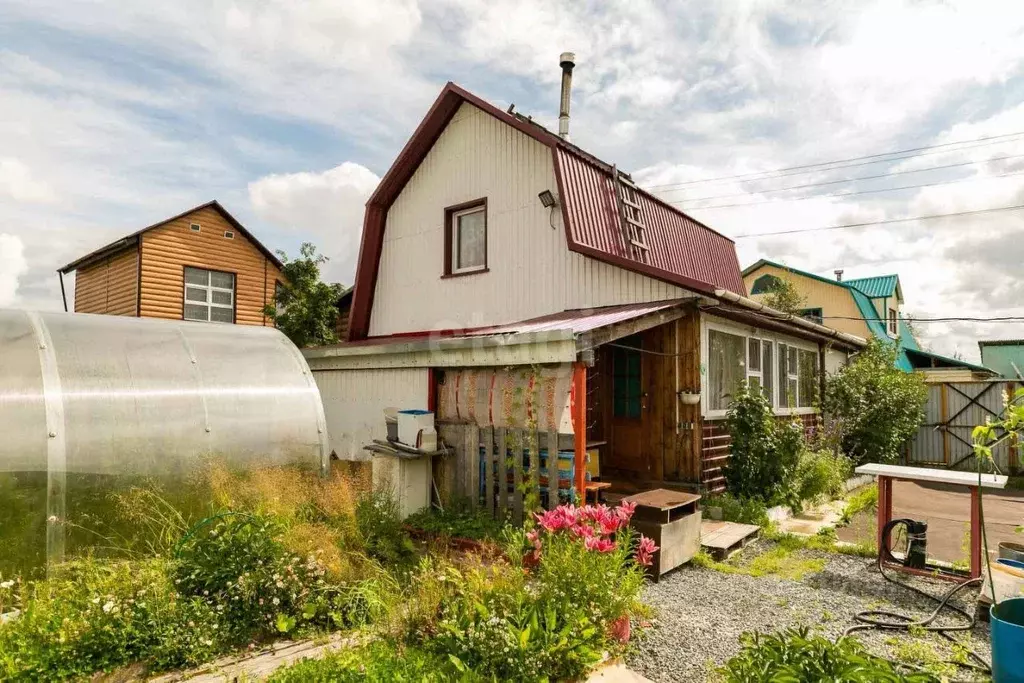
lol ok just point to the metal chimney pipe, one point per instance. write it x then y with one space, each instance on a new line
567 60
839 275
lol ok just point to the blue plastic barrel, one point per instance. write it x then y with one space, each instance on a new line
1011 563
1008 641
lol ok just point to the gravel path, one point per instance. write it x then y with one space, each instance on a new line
701 612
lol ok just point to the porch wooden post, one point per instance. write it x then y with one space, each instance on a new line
579 428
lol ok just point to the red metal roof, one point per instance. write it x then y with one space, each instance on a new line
581 320
683 251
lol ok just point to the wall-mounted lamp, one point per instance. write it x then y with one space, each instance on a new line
549 202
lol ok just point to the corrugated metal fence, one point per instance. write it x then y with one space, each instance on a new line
952 411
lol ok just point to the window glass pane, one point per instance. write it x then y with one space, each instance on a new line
196 312
754 355
195 294
195 276
472 245
222 298
627 385
766 369
808 378
791 392
222 315
222 280
726 367
782 402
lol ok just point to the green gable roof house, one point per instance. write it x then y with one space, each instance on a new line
866 307
1004 356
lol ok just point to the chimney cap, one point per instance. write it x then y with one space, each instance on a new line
567 59
839 274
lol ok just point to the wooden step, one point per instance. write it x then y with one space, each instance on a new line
721 539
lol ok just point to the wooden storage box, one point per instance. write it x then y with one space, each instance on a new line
672 520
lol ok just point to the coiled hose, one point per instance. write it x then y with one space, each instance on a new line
895 621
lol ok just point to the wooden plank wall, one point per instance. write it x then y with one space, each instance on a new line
687 465
166 251
109 286
458 476
716 444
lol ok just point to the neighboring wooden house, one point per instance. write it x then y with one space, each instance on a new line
344 307
508 278
867 307
199 265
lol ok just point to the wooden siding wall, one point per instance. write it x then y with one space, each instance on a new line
168 249
833 300
110 286
716 448
531 270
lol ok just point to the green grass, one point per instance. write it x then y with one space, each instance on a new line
457 521
859 500
785 560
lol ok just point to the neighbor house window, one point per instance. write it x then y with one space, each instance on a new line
727 364
892 321
813 314
627 386
466 238
209 295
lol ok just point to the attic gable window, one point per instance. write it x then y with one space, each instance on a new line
465 238
892 321
209 295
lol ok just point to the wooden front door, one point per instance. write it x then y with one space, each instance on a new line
629 401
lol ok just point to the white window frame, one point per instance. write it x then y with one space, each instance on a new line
748 332
208 289
454 227
892 321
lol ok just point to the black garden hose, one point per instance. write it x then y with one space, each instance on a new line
895 621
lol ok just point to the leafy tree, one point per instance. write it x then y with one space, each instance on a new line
305 307
765 452
784 296
872 407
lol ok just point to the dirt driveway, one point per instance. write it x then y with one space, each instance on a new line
947 511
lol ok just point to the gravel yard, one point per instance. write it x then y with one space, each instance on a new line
702 611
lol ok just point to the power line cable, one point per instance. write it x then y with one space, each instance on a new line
882 222
851 193
866 160
847 180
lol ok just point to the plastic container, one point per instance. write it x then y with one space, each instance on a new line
1011 551
410 422
1007 623
1008 576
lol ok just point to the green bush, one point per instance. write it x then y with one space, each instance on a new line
819 474
796 655
457 521
742 510
380 525
764 452
871 407
97 616
378 662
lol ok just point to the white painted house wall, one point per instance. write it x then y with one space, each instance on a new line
354 403
532 272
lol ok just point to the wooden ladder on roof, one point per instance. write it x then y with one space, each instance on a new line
634 231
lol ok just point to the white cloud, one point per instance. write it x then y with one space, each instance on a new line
12 266
18 183
326 208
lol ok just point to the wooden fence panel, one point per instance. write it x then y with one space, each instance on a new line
487 434
516 463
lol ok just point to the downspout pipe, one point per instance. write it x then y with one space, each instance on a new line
797 320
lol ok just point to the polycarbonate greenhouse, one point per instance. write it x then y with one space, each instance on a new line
92 405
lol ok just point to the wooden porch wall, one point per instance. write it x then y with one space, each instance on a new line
716 445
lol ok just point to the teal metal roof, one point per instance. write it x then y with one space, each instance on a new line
1005 356
875 287
907 339
919 355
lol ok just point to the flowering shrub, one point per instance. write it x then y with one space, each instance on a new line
572 599
98 616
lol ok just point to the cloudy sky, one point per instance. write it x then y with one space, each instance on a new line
116 114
